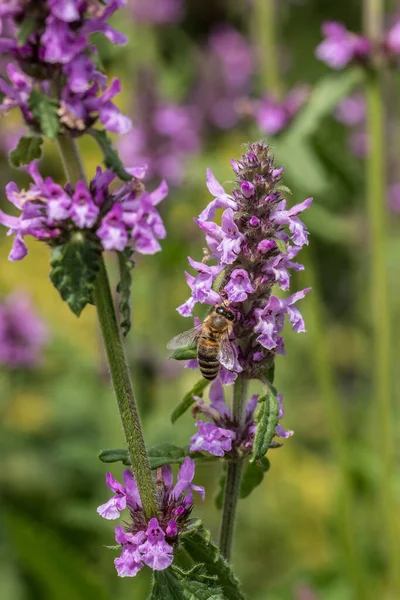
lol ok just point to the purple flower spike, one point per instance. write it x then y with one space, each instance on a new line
185 477
239 286
212 439
340 46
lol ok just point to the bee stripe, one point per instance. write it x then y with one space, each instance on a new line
210 377
208 361
209 369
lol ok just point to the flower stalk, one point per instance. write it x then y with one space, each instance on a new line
233 475
115 354
376 200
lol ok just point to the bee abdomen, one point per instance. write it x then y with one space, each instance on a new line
208 362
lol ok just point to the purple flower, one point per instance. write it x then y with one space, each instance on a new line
351 111
157 11
23 334
393 39
52 213
150 543
223 435
340 46
253 249
272 115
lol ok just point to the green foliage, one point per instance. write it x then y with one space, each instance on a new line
267 418
281 245
188 353
253 476
176 584
219 496
59 571
164 454
188 400
74 267
110 154
27 149
126 265
44 109
197 542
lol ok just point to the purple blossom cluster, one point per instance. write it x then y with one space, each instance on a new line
164 134
341 47
116 220
59 49
252 250
273 116
150 543
223 435
23 334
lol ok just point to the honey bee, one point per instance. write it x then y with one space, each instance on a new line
212 340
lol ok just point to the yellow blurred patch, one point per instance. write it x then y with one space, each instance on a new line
27 412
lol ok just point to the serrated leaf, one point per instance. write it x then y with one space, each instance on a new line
283 188
26 28
267 417
176 584
74 267
188 353
219 496
325 96
253 476
27 150
188 400
282 246
164 454
110 154
115 455
197 542
44 109
126 265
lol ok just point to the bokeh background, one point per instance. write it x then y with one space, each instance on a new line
199 81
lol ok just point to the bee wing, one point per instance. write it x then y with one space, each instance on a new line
226 354
186 338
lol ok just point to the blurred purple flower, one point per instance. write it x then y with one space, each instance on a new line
393 39
150 543
50 213
158 12
394 197
351 110
273 116
23 334
341 47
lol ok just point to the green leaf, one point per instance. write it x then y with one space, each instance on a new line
197 542
164 454
45 111
281 245
184 353
284 189
115 455
219 496
253 476
59 572
267 418
271 373
74 267
126 265
110 154
176 584
188 400
26 28
27 150
325 96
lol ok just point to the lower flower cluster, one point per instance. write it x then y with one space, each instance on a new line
51 213
150 543
223 435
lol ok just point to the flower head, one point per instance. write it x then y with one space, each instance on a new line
150 543
341 47
114 221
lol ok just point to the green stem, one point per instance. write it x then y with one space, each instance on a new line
264 31
233 475
381 359
116 354
316 326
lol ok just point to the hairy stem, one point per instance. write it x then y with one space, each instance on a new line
115 354
233 475
376 200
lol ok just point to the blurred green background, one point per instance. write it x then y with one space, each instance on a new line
314 529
